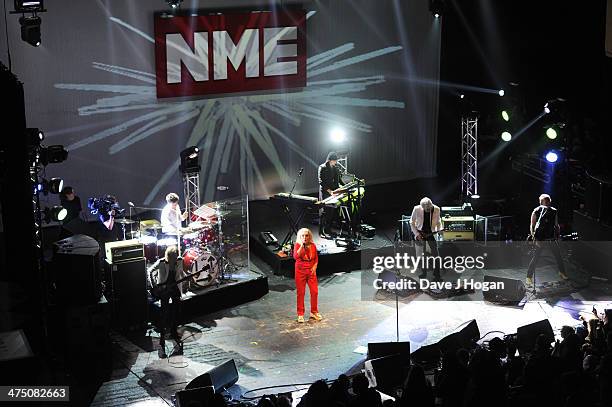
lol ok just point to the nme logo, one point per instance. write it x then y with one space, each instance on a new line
234 52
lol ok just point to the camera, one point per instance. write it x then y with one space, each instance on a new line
104 205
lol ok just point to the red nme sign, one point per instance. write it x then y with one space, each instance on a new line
230 52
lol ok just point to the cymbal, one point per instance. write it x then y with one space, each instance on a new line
124 221
197 225
152 227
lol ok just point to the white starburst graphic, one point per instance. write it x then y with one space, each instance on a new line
223 124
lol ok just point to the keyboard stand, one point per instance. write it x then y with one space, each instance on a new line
294 223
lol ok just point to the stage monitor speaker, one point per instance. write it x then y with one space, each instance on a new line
219 377
76 264
387 373
196 397
129 293
526 335
267 238
513 291
465 336
380 349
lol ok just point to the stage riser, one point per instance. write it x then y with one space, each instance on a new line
223 297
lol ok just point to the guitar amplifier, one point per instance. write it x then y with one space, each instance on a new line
458 228
124 250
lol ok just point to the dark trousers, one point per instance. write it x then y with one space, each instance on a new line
551 245
433 249
169 313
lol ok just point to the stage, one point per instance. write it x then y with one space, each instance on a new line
270 348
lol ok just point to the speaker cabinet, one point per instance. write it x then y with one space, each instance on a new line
129 293
219 377
196 397
512 293
76 264
381 349
526 335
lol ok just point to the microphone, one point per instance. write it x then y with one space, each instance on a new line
300 171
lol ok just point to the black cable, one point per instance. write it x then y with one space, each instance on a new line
8 48
490 332
277 386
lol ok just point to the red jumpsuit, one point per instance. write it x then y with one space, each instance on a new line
303 275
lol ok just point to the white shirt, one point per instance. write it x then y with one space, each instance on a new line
170 219
416 219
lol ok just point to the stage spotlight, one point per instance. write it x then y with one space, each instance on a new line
35 136
505 115
552 157
506 136
174 3
30 30
436 7
547 108
189 160
53 186
551 133
53 154
501 92
475 196
337 135
57 214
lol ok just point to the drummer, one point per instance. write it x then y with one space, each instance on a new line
171 216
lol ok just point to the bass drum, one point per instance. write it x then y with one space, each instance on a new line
204 264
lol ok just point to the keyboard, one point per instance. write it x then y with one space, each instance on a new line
284 196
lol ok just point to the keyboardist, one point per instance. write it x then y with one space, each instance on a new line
330 179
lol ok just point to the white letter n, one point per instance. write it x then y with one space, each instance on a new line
196 61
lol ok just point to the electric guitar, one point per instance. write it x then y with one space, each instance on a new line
426 235
162 290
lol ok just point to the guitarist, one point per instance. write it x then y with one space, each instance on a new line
544 228
425 222
170 272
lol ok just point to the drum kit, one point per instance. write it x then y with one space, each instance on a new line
200 243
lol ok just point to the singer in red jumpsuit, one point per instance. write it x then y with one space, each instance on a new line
306 261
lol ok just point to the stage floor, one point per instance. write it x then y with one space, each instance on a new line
270 348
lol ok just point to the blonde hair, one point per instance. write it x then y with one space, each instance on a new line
299 233
171 257
545 196
426 203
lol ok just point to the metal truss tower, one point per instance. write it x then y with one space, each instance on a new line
469 156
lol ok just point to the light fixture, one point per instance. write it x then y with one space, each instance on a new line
53 186
56 213
505 115
189 160
53 154
506 136
337 135
552 157
30 30
29 6
436 7
547 108
501 92
35 136
174 4
551 133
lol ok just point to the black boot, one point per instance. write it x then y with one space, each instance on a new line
161 352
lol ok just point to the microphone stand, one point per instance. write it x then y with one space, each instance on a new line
295 182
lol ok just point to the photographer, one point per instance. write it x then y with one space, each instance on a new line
106 208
